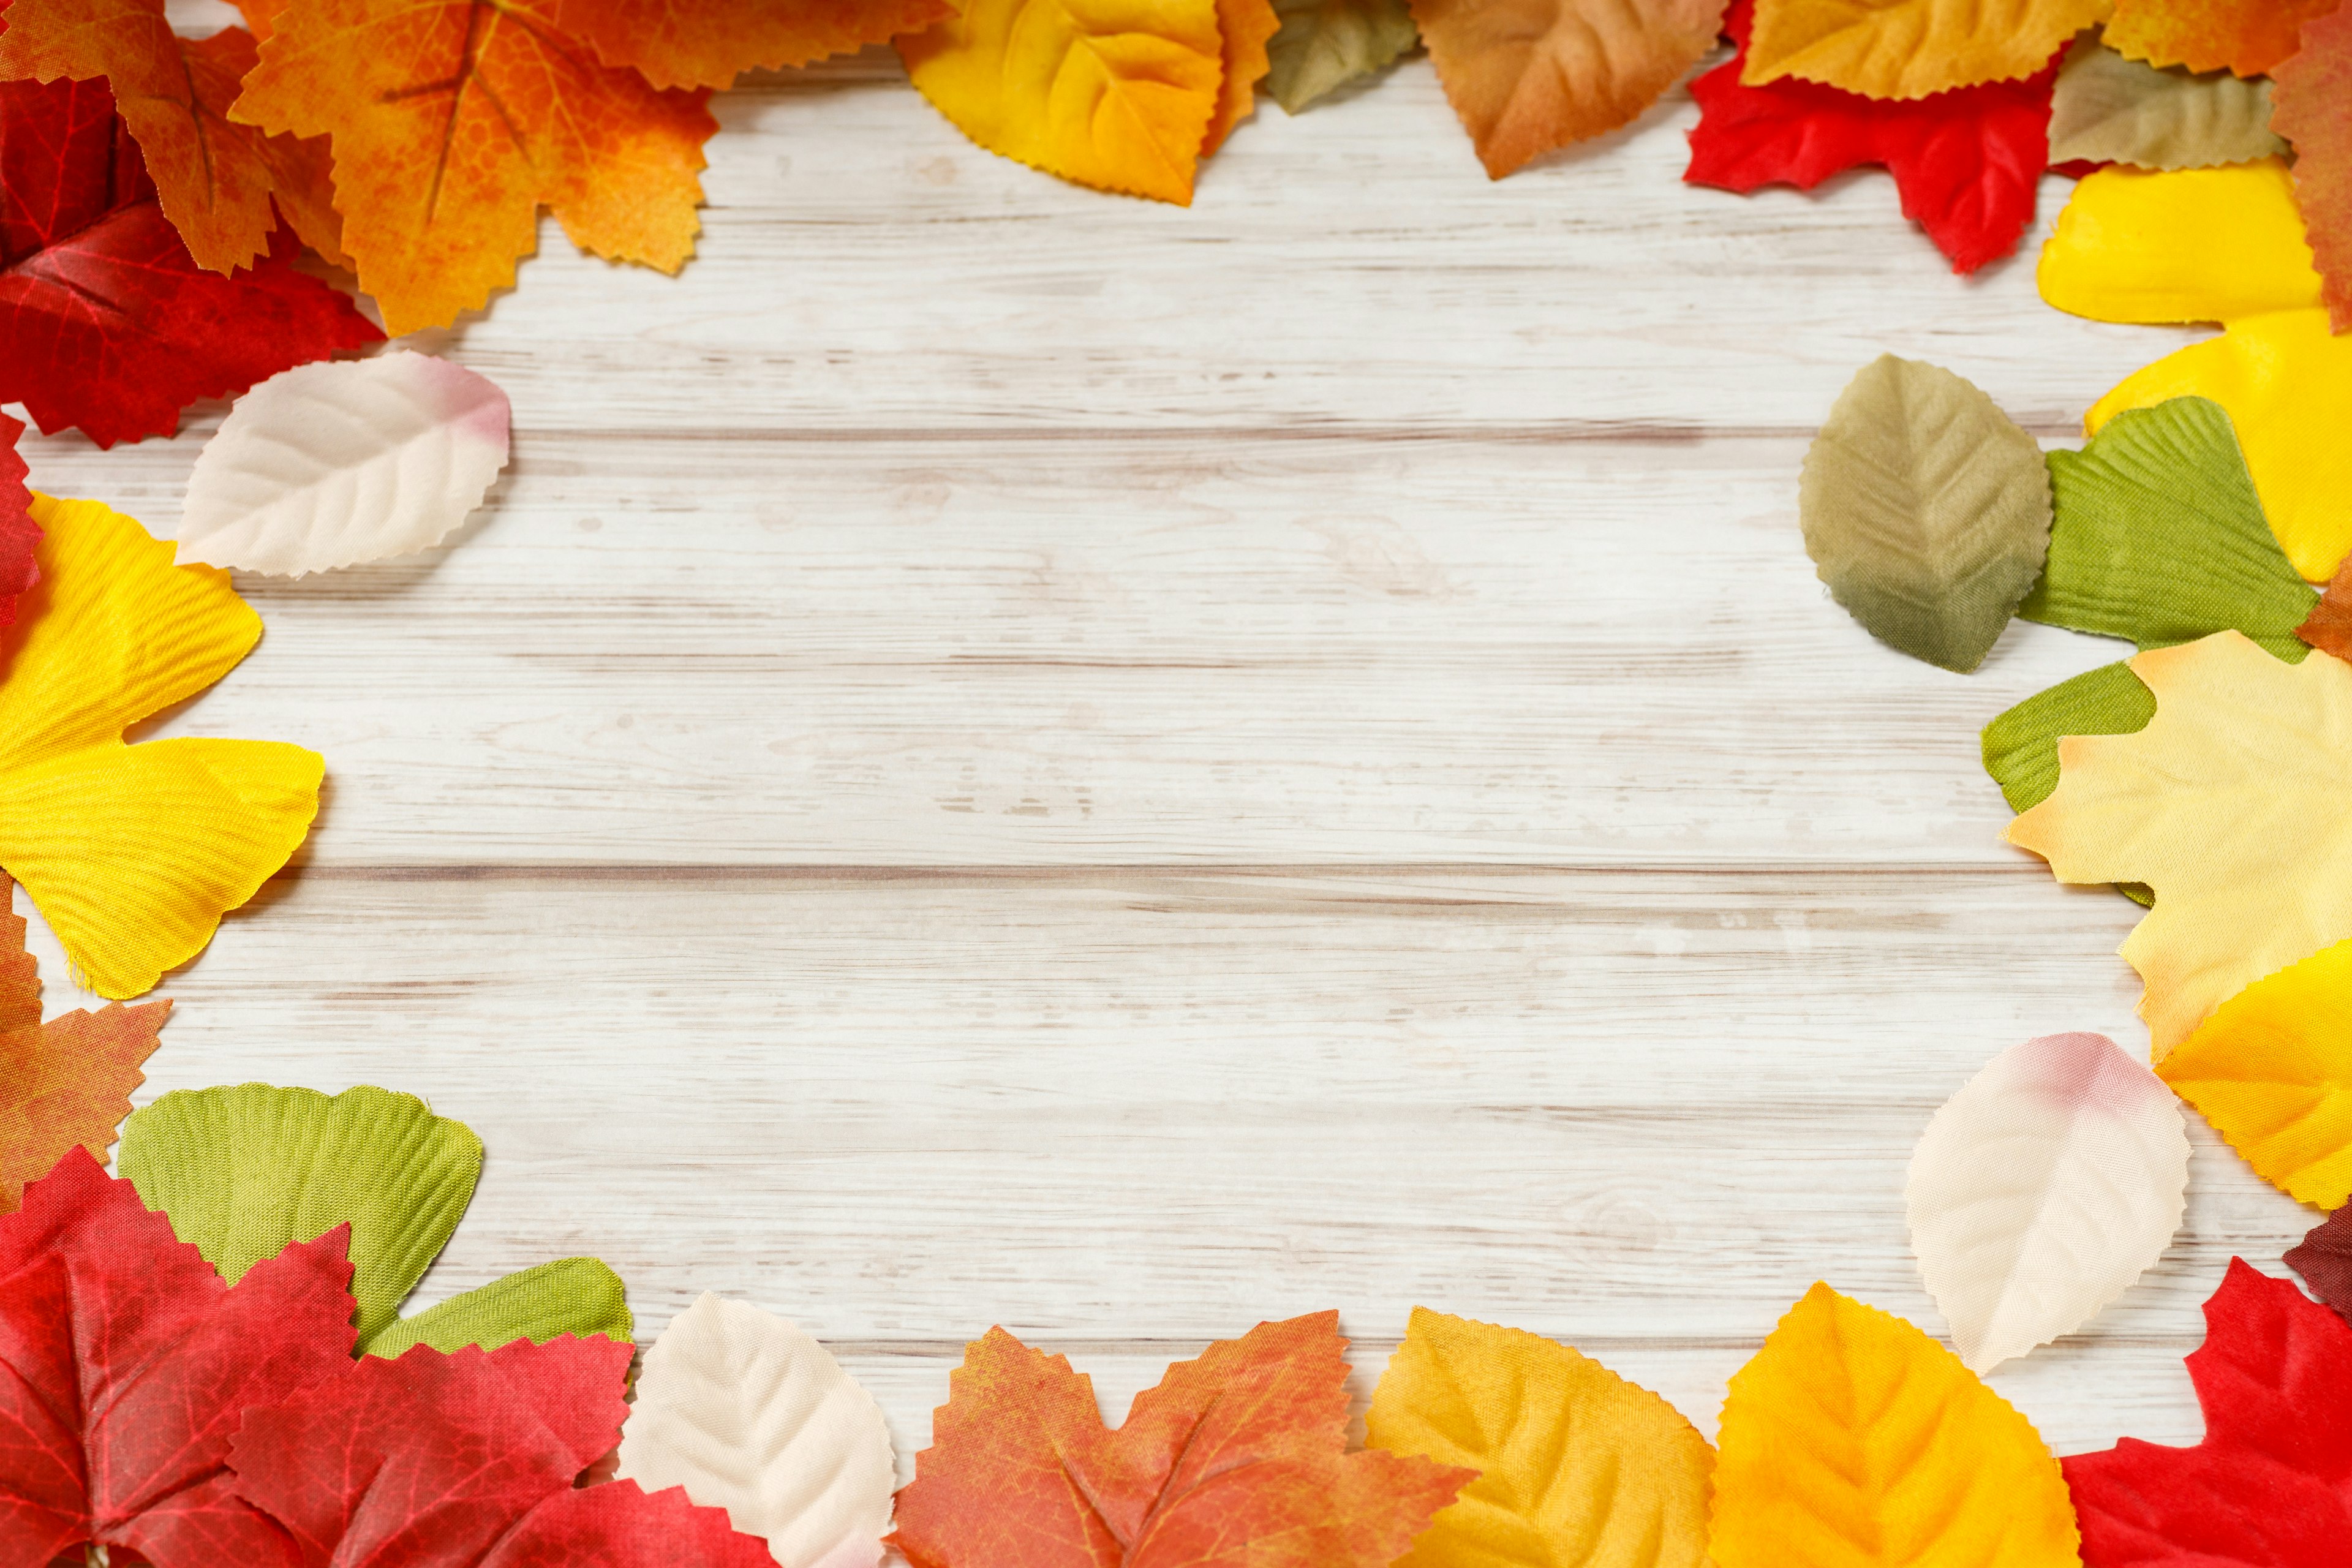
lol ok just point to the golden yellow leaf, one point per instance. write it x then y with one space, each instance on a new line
1246 25
1910 48
2229 805
1852 1440
1117 94
1577 1466
2272 1070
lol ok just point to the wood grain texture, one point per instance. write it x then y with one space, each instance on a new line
1005 755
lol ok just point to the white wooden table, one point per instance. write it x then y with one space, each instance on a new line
1007 754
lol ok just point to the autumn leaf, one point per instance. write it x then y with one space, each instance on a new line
20 536
1120 98
1575 1464
2323 1258
1968 164
2021 747
105 322
1910 48
697 43
1527 76
2110 110
2315 112
1926 511
2329 626
2247 37
1235 1460
2265 1487
454 122
1246 26
130 1364
1326 44
2229 805
1853 1439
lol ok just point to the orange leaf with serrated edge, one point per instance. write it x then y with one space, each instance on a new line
214 179
1527 76
2314 111
2247 37
454 121
2329 626
1235 1460
701 43
64 1082
1246 25
1910 48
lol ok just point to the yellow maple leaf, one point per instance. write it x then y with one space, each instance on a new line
2229 805
2271 1071
1853 1440
1576 1464
1910 48
2223 244
1117 94
133 852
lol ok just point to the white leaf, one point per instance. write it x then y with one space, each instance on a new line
751 1415
2041 1190
330 464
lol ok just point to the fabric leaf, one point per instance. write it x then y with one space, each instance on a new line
2329 626
1853 1439
2229 805
1968 164
1237 1460
2110 110
1577 1466
2315 112
2247 37
577 1296
2264 1490
126 1366
1324 45
1117 96
20 536
2021 747
133 852
65 1083
693 43
2270 1072
748 1414
1528 76
1245 27
1910 48
329 465
2041 1190
1924 510
454 122
2324 1260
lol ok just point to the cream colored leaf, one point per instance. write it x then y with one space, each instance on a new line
750 1414
330 464
2110 110
2041 1190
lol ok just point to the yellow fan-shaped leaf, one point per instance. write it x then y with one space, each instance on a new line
2272 1069
1577 1466
1113 93
2190 245
132 853
1852 1440
1909 49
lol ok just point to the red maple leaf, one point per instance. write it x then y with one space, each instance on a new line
450 1461
126 1364
19 534
1966 162
105 322
2271 1482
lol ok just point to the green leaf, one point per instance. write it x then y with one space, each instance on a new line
2021 747
570 1296
241 1172
1326 44
1925 510
2110 110
2161 537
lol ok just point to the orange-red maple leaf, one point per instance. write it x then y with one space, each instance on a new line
704 43
1236 1460
64 1082
2315 112
214 179
454 122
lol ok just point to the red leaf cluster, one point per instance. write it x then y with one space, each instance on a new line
20 536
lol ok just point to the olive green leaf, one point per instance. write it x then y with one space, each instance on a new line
1326 44
2021 747
569 1296
1926 511
2110 110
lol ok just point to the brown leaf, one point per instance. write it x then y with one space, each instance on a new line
2324 1260
2328 627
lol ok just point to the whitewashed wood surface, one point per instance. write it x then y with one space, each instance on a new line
1006 754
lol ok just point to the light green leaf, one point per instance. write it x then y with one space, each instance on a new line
2160 539
1925 510
2110 110
1326 44
2021 747
570 1296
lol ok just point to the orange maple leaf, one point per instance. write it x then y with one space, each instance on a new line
454 121
2247 36
64 1082
1236 1460
701 43
1527 76
2315 112
214 179
1246 25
